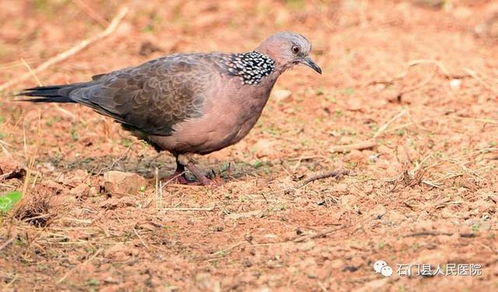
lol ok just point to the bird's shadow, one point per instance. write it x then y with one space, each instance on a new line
146 166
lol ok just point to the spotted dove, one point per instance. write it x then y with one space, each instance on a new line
193 103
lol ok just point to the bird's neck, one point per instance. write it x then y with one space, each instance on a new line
252 67
280 64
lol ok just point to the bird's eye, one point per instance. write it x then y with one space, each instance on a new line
295 49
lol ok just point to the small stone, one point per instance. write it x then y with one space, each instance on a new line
346 140
384 150
206 282
82 190
341 188
455 84
354 156
307 245
93 191
368 188
354 104
247 263
281 94
117 182
264 147
337 264
395 217
372 158
348 201
378 212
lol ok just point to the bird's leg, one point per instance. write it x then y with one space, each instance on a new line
180 169
179 175
186 161
197 172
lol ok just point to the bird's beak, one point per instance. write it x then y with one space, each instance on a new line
310 63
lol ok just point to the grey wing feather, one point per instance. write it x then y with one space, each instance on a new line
152 97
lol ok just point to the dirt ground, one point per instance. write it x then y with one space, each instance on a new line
407 104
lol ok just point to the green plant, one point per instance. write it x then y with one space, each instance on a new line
8 201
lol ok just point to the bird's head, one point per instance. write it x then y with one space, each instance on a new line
288 49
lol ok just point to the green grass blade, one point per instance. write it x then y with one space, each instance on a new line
8 201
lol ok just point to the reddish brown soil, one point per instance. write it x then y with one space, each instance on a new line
417 77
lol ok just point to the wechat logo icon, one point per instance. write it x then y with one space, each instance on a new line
382 268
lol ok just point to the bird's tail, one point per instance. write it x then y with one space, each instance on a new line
51 93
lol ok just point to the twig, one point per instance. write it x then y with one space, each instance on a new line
82 221
386 125
13 64
5 244
141 240
321 233
31 71
4 145
431 184
474 75
428 233
482 120
418 86
173 178
25 184
444 71
12 281
320 284
91 12
73 117
449 176
190 209
159 190
334 173
124 156
440 65
64 55
222 252
357 146
38 217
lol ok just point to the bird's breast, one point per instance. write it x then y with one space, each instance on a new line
229 112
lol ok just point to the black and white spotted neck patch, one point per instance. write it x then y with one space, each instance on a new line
250 67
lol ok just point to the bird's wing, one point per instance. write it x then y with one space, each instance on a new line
152 97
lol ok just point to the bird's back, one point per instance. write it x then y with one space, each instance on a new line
150 98
154 96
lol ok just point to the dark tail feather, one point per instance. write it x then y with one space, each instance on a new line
58 99
53 93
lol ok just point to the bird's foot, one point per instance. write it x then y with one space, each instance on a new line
176 178
181 178
185 161
214 181
201 177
